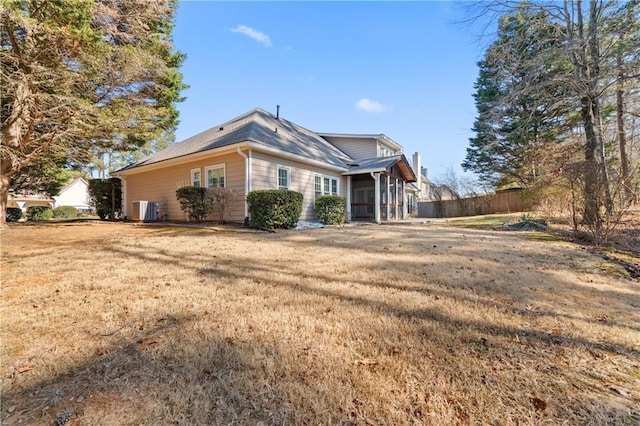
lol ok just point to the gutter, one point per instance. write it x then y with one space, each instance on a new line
227 150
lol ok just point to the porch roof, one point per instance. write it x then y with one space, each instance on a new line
382 164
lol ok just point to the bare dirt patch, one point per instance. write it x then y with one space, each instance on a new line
120 324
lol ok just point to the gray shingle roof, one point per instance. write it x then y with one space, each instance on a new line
380 164
256 126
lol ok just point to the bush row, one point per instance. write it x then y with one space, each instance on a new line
38 213
267 208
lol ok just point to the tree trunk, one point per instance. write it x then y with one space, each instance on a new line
622 137
5 182
594 51
591 190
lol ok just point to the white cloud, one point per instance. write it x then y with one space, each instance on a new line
366 104
252 33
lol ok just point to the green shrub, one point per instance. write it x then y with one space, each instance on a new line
106 196
275 208
331 209
37 213
194 202
14 214
65 212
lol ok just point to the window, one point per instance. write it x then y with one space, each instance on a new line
325 185
318 186
196 177
284 176
383 151
214 176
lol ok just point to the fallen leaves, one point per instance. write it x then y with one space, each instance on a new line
538 403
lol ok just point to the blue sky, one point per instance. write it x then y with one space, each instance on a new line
405 69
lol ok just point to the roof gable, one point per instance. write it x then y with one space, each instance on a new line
381 164
259 127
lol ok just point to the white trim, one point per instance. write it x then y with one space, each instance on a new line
322 191
397 201
288 169
387 180
180 160
214 167
193 171
348 201
227 150
246 180
376 178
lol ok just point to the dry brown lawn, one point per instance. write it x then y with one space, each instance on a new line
112 324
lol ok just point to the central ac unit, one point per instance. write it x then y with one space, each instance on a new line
145 210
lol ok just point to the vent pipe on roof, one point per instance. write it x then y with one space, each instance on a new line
277 112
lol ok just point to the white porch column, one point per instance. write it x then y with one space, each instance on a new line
348 198
376 178
388 196
405 212
397 200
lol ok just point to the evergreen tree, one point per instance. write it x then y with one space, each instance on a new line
78 75
518 115
546 93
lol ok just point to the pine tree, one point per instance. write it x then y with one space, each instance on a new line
79 74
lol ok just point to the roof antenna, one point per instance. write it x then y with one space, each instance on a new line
277 112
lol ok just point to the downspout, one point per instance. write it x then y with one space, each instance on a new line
376 178
246 183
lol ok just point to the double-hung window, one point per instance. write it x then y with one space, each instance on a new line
214 176
284 177
318 186
196 177
325 185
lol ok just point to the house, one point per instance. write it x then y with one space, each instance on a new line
23 199
76 194
258 150
425 189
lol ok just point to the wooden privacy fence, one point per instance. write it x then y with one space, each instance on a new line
501 202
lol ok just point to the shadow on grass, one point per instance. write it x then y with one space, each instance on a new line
180 374
158 373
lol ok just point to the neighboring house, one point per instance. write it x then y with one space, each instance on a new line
23 199
75 194
425 189
258 150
